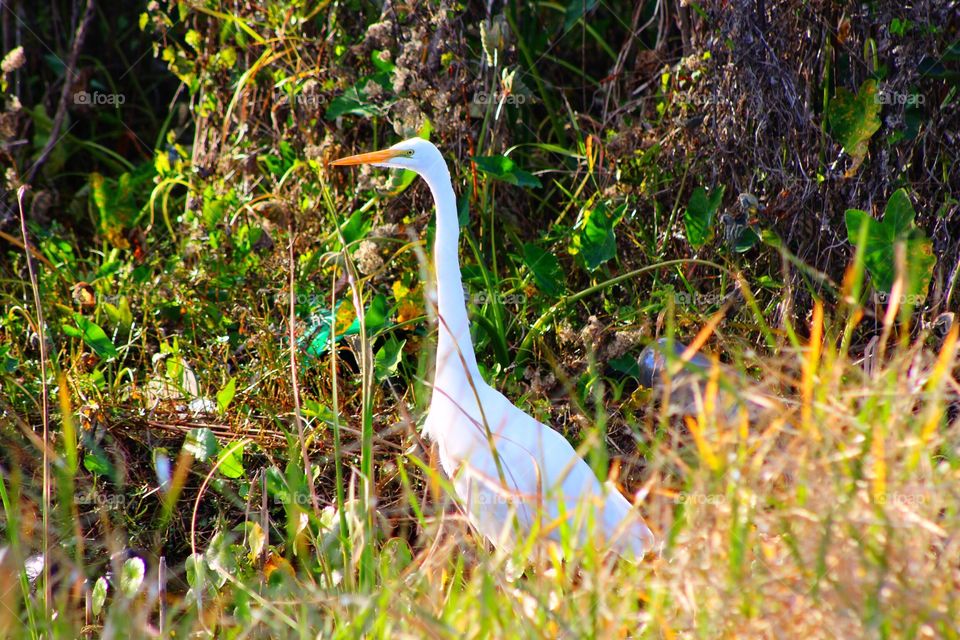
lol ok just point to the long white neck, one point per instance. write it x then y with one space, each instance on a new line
454 347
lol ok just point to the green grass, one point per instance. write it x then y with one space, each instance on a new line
831 513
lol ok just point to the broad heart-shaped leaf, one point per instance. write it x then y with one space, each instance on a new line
853 119
96 461
698 216
201 444
376 315
899 212
354 100
746 241
356 227
881 240
387 358
626 364
231 460
545 269
504 168
222 557
195 567
594 239
94 336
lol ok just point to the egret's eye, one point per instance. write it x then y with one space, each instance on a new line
407 153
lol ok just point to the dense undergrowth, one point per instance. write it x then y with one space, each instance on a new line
775 181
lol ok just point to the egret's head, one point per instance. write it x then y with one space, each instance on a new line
415 154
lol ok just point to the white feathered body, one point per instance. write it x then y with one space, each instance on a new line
544 481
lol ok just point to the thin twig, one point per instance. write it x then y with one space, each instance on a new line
41 333
162 595
366 433
298 417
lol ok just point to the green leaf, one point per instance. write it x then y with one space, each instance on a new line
626 364
933 67
698 216
746 241
225 395
899 212
277 486
195 567
281 160
256 539
231 460
377 313
879 248
387 358
99 595
214 208
504 168
952 53
131 576
201 444
545 269
96 461
107 269
399 181
8 364
120 315
222 557
498 340
381 61
72 331
118 201
317 338
463 206
594 240
356 227
354 100
899 27
95 337
853 119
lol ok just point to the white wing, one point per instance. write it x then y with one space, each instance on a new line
544 480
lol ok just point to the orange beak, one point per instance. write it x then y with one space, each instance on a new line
368 158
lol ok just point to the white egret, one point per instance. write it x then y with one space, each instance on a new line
505 466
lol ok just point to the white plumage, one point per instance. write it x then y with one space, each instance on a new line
540 482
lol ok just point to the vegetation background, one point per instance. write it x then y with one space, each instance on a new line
203 441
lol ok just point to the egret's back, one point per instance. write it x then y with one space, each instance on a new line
540 480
